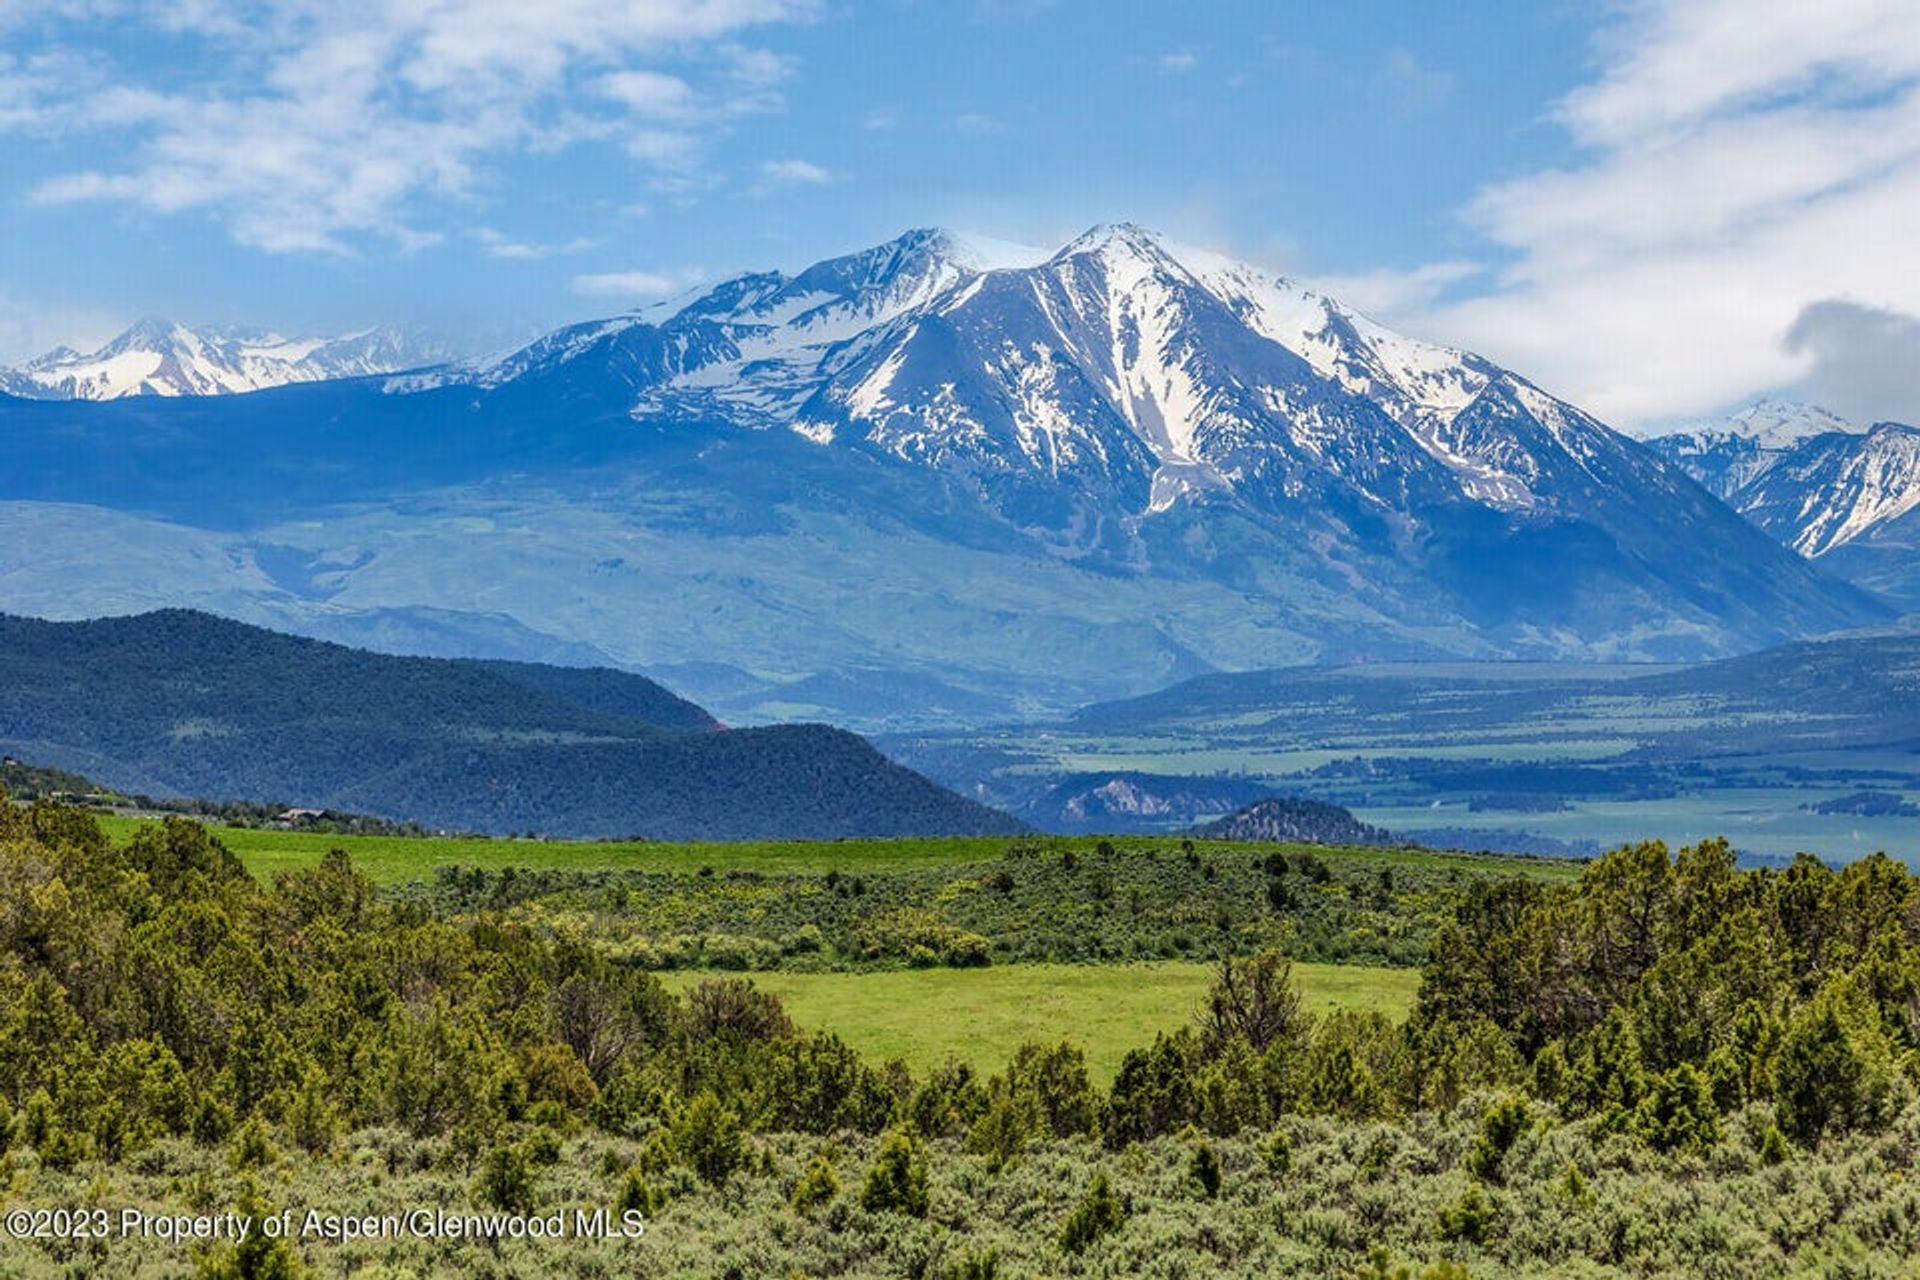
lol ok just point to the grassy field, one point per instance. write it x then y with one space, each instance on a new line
924 1016
399 859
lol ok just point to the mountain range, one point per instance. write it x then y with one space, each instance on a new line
176 703
157 357
1845 496
924 483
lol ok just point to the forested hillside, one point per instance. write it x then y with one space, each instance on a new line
1292 818
181 703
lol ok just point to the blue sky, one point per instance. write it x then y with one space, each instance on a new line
1656 208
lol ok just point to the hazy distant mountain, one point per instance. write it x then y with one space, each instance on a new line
160 358
925 481
179 703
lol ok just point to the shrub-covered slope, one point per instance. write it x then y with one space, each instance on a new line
1668 1067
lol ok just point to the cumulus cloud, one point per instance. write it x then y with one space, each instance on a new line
322 123
1865 360
1738 161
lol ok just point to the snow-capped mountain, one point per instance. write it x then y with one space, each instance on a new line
1100 397
1150 373
1122 366
1809 477
158 357
936 473
752 349
1729 454
1773 424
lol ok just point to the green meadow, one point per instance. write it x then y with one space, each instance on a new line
393 860
980 1016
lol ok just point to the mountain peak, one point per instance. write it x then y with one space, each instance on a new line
1779 424
1810 478
987 253
1111 238
149 333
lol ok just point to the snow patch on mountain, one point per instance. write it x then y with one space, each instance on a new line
1847 491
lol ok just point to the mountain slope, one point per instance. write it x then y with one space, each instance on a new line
184 703
1027 481
1834 489
160 358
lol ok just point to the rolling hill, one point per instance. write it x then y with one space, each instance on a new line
1857 692
183 703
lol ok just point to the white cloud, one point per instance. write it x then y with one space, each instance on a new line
1412 87
634 285
1385 292
1177 63
652 94
325 123
977 124
794 173
499 245
1740 160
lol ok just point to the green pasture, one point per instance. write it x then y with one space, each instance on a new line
923 1016
401 859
